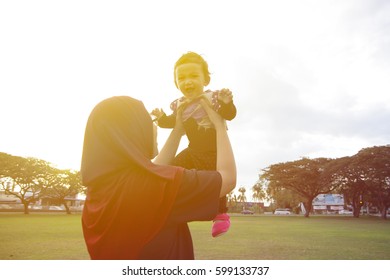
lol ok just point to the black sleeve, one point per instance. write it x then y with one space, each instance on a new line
198 197
167 121
227 111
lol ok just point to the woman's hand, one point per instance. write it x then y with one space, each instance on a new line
215 118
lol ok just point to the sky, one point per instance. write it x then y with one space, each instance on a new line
309 78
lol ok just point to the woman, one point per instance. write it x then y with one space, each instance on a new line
136 208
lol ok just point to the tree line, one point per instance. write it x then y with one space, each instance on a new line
31 179
363 179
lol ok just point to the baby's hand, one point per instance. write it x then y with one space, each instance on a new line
157 113
225 95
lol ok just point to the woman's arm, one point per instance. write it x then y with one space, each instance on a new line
170 147
226 164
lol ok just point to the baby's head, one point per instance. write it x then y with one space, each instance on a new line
192 57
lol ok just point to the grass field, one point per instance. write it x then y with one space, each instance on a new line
57 236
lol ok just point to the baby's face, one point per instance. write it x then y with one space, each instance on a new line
190 79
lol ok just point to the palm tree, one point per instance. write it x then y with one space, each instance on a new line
231 200
242 197
258 192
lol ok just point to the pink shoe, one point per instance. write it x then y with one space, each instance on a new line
221 224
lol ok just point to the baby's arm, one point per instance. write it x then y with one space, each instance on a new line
163 120
158 113
225 96
227 110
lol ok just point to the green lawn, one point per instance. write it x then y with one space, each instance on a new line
59 237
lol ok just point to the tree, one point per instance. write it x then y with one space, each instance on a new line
374 166
303 177
64 185
5 164
284 198
364 178
232 201
258 193
349 179
242 197
23 177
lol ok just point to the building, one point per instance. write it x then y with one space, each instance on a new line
328 203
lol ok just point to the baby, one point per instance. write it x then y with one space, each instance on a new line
191 76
